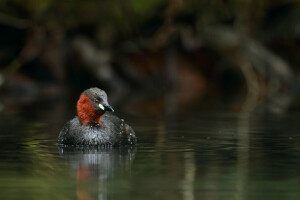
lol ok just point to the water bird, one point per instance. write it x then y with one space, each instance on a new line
95 125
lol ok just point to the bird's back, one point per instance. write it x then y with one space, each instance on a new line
113 132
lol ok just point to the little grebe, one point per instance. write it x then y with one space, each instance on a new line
93 126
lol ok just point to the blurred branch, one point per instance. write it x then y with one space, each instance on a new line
252 86
13 21
236 45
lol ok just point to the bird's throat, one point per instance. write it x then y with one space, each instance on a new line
86 111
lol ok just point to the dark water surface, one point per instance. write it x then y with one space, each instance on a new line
199 155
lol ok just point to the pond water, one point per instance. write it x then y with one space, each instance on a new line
197 155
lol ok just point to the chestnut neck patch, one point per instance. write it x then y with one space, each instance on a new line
86 111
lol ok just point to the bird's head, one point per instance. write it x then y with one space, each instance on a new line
91 105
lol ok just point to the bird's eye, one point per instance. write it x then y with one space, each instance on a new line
97 100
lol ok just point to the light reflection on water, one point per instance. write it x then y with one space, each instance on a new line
195 156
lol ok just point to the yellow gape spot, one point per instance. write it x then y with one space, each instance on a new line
101 106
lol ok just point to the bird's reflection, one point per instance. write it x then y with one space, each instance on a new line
96 167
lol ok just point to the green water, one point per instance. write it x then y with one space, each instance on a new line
198 155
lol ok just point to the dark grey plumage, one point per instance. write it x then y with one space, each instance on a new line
113 132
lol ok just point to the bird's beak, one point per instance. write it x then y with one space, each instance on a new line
106 107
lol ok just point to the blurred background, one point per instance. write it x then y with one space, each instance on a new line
210 88
153 52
